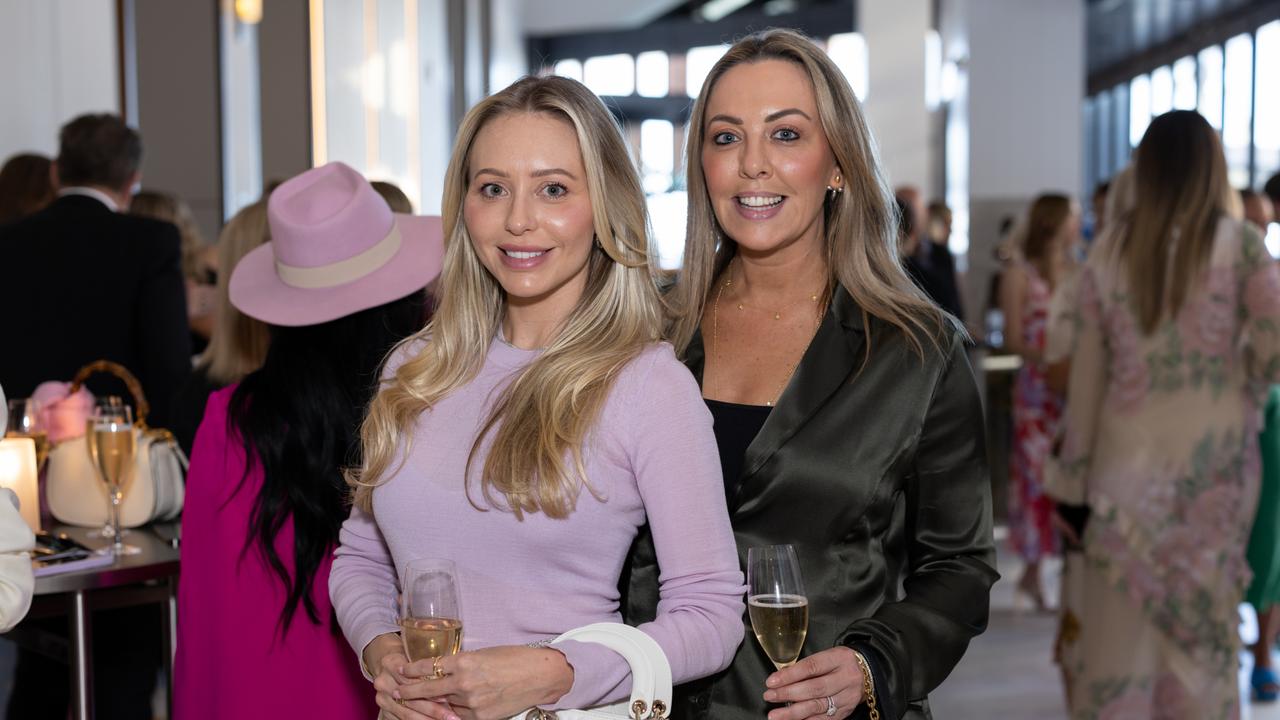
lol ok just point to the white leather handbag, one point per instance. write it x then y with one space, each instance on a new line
155 489
650 676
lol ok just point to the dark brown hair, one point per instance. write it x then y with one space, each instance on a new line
25 186
98 150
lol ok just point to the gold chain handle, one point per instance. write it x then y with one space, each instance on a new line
868 687
121 372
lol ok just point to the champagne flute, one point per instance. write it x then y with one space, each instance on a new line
776 602
25 422
109 433
431 621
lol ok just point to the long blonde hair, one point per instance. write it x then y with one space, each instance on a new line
542 419
1180 192
239 343
175 210
861 223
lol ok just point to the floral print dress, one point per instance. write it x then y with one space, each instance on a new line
1162 435
1036 410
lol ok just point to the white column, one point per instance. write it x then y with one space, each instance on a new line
895 104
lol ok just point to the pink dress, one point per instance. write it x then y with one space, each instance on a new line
1036 410
232 661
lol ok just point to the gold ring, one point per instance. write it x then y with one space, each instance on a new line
400 702
436 670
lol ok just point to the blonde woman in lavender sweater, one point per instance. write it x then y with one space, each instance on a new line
531 428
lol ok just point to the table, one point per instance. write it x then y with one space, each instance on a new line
147 577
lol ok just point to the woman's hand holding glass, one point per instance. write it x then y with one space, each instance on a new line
814 685
487 684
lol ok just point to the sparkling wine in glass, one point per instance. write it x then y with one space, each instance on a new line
431 617
25 422
776 602
109 433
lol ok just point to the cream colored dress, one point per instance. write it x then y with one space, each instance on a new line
1162 436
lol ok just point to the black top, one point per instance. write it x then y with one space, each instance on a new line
83 283
735 427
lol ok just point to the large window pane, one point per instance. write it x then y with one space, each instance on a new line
1161 90
1103 134
1210 104
1238 93
697 64
1266 116
1120 147
570 69
1139 108
653 74
657 155
1184 84
610 74
849 52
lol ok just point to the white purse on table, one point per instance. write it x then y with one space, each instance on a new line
650 676
155 489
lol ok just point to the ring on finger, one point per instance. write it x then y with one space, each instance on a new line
436 669
831 706
400 701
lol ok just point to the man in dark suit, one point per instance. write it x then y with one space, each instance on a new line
82 282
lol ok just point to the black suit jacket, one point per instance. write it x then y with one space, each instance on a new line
877 473
82 283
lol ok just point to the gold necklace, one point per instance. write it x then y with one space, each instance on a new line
777 314
715 333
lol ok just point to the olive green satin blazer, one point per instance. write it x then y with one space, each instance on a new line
877 473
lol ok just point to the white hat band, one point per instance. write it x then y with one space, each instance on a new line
343 271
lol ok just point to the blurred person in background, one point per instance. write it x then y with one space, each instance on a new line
1178 337
936 263
110 286
239 343
1098 207
1272 190
26 185
257 636
395 197
1052 225
199 259
1257 209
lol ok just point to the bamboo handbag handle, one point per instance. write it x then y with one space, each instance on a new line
121 372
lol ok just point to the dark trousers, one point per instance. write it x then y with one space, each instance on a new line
127 653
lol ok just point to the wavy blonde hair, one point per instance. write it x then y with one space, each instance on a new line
861 223
238 344
541 420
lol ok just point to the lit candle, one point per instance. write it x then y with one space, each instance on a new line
18 473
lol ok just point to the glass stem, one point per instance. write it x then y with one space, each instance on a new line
118 541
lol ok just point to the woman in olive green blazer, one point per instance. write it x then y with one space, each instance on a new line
848 418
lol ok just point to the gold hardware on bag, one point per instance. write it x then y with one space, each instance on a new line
659 710
539 714
638 709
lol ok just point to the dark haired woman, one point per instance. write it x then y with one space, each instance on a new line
265 494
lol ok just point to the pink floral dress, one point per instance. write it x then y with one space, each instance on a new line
1161 431
1036 410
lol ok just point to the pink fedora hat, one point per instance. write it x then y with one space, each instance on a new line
336 248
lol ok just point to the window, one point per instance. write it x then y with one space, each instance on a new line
657 155
570 69
1266 115
610 74
1238 107
1210 104
1102 136
1120 147
849 52
1139 108
697 65
1184 84
653 74
1161 91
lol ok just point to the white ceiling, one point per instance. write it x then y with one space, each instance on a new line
558 17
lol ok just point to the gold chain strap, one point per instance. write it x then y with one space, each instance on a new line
868 687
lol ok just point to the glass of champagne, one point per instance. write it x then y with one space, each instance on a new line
776 602
25 422
109 433
431 617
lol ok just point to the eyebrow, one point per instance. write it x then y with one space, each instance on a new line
537 174
769 118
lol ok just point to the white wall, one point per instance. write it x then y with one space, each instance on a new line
895 103
61 60
1026 89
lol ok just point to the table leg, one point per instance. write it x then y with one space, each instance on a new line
81 657
170 637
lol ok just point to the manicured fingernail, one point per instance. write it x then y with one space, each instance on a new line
395 694
771 682
771 696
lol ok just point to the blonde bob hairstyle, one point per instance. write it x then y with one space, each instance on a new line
540 422
860 228
239 343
